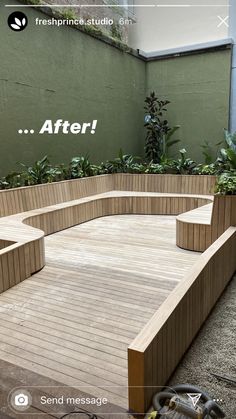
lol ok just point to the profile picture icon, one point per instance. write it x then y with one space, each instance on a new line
17 21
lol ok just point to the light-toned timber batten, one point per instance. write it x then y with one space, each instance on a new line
183 184
30 213
63 204
198 229
156 351
13 201
26 256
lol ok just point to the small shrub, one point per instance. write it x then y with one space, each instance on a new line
40 172
209 152
227 156
154 168
124 163
12 180
81 167
206 169
184 165
226 184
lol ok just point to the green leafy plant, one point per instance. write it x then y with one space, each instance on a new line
3 183
40 172
226 183
206 169
81 167
168 142
12 180
209 153
227 156
124 163
154 168
184 165
157 127
138 168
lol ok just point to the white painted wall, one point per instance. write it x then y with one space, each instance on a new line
160 28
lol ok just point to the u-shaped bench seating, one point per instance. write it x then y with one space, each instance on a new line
26 230
201 218
28 214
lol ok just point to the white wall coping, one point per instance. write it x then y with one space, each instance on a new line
186 48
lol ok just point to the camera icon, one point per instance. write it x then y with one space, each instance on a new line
21 399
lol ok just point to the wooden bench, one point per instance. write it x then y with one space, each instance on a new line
30 213
22 248
19 200
26 230
199 228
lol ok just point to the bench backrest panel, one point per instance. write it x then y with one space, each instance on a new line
186 184
223 214
18 200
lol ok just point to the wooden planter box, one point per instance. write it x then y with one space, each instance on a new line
13 201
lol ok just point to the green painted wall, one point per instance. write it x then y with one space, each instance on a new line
198 87
62 73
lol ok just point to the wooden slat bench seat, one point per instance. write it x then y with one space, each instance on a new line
26 256
201 215
23 199
199 228
193 229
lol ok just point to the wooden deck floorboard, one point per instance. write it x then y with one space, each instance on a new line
104 279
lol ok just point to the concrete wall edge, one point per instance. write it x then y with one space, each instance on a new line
188 49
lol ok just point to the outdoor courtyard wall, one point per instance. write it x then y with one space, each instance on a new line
62 73
198 86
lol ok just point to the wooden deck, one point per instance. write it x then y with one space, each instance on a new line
56 336
104 279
